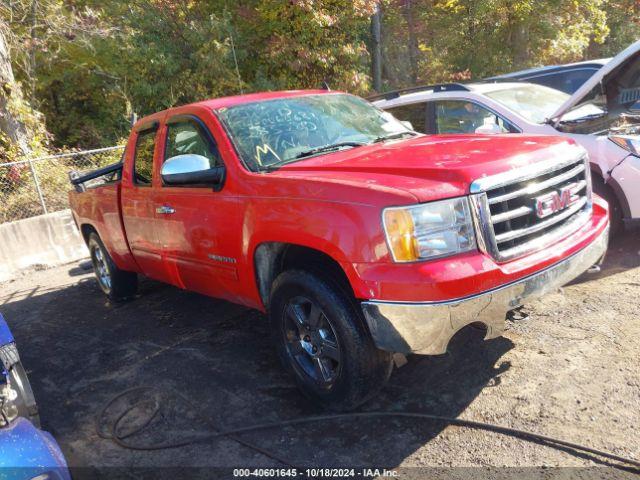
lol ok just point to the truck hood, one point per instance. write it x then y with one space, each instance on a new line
431 167
620 87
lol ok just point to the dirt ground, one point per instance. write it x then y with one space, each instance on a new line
571 370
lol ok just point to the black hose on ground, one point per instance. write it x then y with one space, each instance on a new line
120 438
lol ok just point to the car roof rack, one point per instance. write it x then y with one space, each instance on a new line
440 87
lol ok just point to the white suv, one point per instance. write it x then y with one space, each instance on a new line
603 116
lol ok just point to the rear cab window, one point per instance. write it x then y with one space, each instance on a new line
143 158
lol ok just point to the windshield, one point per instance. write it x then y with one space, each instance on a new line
271 133
534 102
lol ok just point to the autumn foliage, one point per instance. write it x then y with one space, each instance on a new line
87 65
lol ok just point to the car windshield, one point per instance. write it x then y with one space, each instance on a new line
533 102
271 133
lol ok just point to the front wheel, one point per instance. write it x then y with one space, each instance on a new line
24 404
322 340
615 212
116 284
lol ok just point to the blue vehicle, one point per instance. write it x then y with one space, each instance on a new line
26 452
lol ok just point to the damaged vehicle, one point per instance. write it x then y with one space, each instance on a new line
26 452
603 116
359 237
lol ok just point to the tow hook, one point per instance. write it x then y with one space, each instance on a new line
594 269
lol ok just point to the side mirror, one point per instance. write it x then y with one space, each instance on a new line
407 124
489 129
190 169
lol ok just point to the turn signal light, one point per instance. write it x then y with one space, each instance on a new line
400 230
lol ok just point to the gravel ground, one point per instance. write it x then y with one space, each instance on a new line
570 370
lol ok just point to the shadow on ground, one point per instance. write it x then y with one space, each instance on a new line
623 254
81 350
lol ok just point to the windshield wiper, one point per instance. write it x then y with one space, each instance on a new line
328 148
391 136
310 152
331 147
584 118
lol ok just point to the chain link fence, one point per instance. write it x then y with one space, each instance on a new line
40 185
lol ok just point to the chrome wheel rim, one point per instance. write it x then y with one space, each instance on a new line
101 268
311 341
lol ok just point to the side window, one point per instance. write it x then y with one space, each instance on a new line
459 116
143 160
188 137
414 113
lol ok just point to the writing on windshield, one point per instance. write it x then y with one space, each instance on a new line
275 132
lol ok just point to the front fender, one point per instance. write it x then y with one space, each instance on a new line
26 452
6 336
348 233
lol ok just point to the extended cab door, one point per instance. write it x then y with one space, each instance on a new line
198 226
138 211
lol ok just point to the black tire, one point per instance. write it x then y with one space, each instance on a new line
116 284
314 321
615 212
26 403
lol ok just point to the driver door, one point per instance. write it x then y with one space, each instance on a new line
197 225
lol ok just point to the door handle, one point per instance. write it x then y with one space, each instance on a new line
165 210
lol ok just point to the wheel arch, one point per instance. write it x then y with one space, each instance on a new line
617 191
86 229
272 258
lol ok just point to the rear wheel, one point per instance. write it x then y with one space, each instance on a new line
117 284
322 340
615 212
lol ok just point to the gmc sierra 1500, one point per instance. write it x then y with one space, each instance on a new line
359 237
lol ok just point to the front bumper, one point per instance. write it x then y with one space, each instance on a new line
426 328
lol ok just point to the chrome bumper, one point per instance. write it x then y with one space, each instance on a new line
426 328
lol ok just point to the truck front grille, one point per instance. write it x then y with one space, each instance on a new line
520 212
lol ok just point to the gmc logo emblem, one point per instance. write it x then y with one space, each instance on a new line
553 202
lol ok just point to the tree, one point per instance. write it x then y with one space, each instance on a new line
14 134
98 61
303 43
376 49
464 39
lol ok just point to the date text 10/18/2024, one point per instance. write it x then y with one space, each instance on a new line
314 473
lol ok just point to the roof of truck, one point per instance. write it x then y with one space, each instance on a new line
256 97
225 102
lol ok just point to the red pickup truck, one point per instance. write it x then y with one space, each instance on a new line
359 237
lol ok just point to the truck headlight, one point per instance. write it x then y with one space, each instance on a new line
430 230
630 143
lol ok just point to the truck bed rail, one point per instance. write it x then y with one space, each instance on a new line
78 180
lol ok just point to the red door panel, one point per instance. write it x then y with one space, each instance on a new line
199 235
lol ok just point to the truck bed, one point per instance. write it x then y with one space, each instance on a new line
96 206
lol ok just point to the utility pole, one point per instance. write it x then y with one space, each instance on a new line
376 54
413 42
34 37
